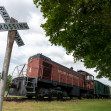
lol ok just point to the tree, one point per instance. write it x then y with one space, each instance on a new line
9 78
82 27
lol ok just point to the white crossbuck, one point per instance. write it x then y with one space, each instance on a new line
12 26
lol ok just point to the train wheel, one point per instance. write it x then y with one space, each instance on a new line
50 98
70 97
40 98
79 97
98 97
36 97
59 97
29 97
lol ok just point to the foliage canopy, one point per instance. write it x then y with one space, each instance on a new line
82 27
9 78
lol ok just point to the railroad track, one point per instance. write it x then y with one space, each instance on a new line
23 99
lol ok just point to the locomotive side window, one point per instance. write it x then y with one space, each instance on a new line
47 68
87 77
91 77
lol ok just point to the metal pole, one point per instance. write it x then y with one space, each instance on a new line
10 41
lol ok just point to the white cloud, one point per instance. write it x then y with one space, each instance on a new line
36 20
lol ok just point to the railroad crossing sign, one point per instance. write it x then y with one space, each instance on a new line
12 26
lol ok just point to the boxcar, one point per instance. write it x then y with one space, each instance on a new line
106 91
110 91
101 90
98 89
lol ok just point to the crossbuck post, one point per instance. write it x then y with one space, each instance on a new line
12 35
10 41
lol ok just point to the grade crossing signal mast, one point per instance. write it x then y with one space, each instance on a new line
10 25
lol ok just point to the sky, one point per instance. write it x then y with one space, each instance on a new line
34 39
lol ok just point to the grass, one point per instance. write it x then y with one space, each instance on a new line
70 105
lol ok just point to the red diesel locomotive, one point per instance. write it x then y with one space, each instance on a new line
45 77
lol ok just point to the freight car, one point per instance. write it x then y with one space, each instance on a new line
110 90
101 90
45 77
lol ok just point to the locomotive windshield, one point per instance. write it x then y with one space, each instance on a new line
89 77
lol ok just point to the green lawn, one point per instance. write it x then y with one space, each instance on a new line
70 105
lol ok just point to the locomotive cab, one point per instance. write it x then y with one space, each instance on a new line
88 90
88 79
